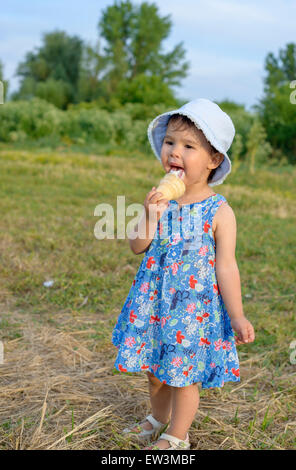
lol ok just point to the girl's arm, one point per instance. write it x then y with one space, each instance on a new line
154 206
140 242
227 273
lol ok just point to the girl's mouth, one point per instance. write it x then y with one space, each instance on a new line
175 167
178 170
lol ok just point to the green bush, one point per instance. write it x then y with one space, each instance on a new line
88 124
125 127
28 119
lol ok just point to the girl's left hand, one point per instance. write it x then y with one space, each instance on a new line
244 330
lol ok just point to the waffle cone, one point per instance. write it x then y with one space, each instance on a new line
171 186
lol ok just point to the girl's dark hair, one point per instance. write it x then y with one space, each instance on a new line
181 122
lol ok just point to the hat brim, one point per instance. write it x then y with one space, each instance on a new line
157 130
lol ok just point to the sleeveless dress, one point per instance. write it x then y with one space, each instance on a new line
174 322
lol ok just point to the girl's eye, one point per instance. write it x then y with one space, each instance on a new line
189 146
168 142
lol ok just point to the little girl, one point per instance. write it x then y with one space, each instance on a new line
178 321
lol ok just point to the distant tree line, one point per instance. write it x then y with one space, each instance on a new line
131 67
128 66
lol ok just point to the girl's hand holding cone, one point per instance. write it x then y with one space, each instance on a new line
155 204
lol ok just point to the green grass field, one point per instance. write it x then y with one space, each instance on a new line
58 388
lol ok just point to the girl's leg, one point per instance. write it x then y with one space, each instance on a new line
160 398
185 401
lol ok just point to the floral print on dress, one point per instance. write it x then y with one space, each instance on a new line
174 322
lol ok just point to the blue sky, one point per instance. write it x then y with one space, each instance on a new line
226 40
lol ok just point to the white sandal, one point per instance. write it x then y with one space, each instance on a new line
175 443
144 434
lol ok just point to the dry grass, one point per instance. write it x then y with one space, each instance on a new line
56 393
58 388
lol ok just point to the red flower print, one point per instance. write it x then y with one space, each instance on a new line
211 262
144 287
139 350
235 372
122 369
218 344
179 337
143 367
177 361
130 341
206 226
150 262
207 302
204 341
203 250
206 315
155 367
175 268
190 308
216 288
172 290
200 319
134 282
228 345
185 372
192 281
154 319
132 316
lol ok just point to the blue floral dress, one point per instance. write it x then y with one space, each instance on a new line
174 322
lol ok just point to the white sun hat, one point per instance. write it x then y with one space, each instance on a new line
215 124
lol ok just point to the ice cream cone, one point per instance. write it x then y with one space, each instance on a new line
171 186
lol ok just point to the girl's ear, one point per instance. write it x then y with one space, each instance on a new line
217 158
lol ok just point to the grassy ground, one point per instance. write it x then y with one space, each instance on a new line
58 388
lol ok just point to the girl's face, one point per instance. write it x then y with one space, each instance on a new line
189 150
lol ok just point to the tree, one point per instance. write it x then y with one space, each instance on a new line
258 148
133 35
90 85
144 89
56 61
276 109
4 85
57 92
237 148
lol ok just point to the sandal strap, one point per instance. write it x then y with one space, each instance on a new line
171 439
156 424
